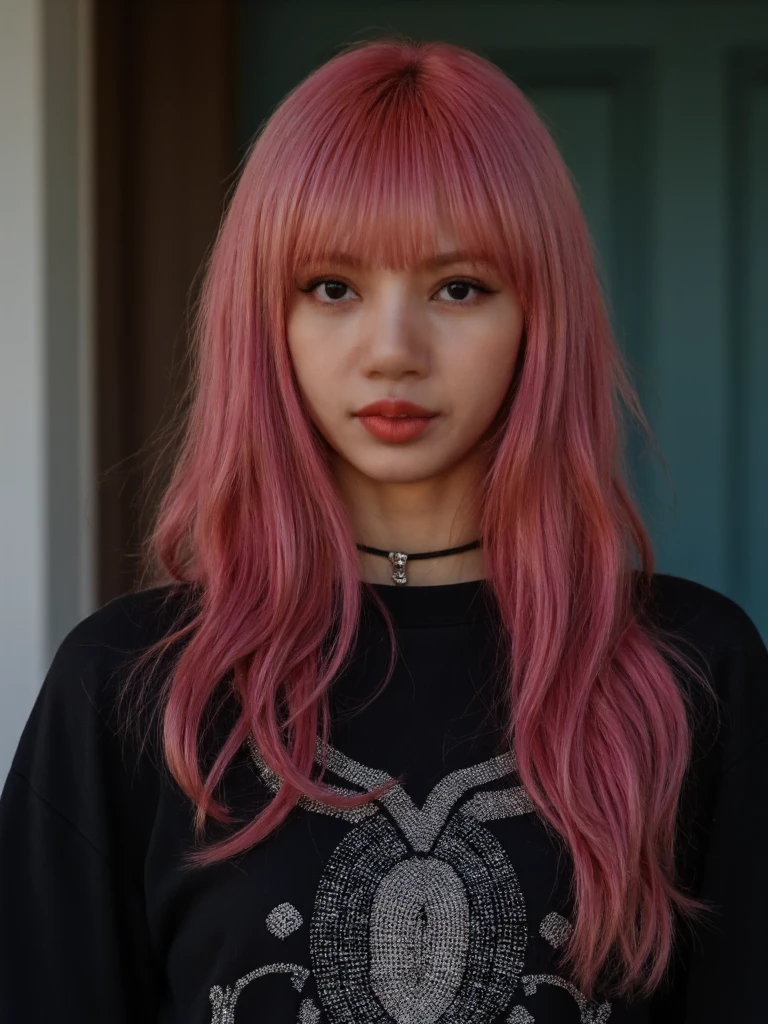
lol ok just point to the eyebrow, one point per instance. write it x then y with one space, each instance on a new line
442 259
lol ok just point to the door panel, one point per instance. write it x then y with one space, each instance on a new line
748 325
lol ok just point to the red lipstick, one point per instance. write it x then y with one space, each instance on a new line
395 419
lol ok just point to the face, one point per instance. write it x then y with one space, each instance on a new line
445 337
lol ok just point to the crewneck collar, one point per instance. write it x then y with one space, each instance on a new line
449 604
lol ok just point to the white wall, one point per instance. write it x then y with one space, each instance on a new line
46 431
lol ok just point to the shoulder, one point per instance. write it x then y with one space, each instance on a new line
687 603
130 621
719 635
106 642
712 622
71 756
76 707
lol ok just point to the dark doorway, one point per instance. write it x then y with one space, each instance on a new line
166 150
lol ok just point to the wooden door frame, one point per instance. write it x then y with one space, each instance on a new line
166 97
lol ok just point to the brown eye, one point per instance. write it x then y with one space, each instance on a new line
459 288
333 290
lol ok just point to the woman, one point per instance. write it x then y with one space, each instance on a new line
406 727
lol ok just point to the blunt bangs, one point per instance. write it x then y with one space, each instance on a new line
383 196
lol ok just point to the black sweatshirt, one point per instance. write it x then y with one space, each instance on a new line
446 902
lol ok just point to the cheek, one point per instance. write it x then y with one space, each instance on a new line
315 377
305 349
485 377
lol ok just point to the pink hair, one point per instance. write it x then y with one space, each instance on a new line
368 154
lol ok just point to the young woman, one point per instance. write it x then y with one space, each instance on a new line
405 728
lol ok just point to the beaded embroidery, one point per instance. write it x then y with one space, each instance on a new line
308 1012
555 929
520 1015
419 917
284 919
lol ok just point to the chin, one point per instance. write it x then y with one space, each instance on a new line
400 467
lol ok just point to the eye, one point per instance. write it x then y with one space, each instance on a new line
460 285
333 290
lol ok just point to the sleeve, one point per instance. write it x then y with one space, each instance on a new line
721 971
74 940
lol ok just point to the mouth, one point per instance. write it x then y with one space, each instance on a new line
396 429
396 408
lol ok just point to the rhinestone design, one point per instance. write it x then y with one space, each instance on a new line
556 929
520 1015
419 917
284 919
308 1012
223 1000
590 1012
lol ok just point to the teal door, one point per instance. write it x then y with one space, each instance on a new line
661 112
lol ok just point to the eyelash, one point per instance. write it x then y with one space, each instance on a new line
454 280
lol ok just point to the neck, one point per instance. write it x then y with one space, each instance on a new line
427 572
424 515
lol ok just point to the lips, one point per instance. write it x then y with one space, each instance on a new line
395 407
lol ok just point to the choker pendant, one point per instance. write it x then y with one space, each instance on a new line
398 560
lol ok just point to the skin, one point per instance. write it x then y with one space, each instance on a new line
428 336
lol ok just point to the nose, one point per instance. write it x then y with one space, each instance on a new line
395 337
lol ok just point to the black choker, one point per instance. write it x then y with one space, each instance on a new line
399 558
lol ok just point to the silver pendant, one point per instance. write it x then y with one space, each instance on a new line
398 560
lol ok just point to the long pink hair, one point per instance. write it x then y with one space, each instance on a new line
368 154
